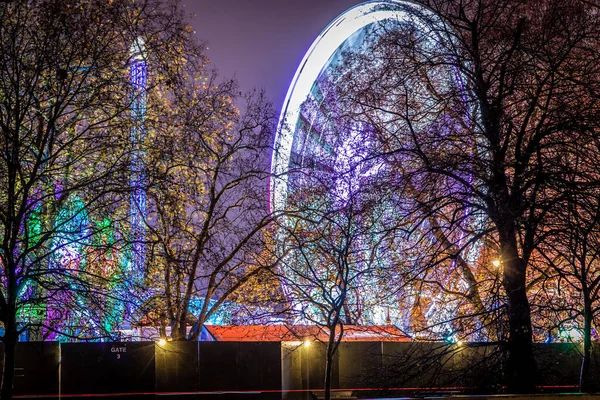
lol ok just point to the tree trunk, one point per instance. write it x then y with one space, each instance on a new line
8 375
329 364
182 327
521 368
178 330
585 381
196 330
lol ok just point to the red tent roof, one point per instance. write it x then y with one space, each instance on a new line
289 333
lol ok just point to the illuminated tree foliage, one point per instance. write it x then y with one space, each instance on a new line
65 124
206 212
475 122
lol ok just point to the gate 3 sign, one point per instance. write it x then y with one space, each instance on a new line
119 350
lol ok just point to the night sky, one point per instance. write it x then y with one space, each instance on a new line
261 41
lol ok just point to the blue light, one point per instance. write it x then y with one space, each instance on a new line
138 75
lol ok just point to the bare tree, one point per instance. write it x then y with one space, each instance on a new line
474 107
331 242
571 249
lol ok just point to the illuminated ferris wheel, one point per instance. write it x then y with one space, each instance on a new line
301 137
348 32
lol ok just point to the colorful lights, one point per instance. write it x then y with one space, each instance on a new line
138 75
316 60
301 137
570 334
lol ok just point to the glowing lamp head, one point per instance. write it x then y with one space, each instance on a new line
496 263
162 341
307 343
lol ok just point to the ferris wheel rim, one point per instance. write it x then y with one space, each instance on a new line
314 62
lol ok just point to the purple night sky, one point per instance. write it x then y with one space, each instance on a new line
261 41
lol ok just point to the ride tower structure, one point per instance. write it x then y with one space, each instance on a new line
138 75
